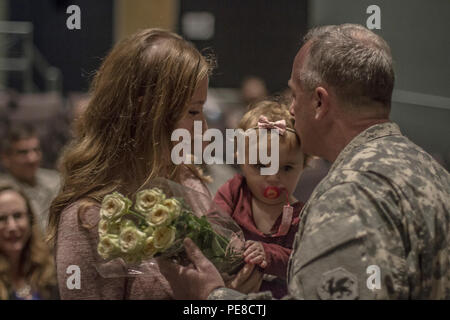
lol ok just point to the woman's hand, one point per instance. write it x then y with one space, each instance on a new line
254 253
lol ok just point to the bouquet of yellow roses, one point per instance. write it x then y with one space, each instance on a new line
155 224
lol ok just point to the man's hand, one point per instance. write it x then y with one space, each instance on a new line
254 253
193 282
247 280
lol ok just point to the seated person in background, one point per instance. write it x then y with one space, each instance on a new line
27 270
253 89
257 202
21 157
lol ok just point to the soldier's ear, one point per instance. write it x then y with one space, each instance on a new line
322 103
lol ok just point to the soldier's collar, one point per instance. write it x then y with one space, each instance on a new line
374 132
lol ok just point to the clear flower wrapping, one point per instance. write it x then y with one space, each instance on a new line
163 213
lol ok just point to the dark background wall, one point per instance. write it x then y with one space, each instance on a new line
77 53
417 32
252 37
261 37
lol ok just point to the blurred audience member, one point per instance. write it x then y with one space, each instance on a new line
27 270
21 157
253 89
233 115
50 119
223 110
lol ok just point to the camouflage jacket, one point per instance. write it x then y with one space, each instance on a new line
376 227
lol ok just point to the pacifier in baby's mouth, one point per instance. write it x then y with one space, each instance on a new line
272 192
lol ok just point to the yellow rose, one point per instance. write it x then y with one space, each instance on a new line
108 246
114 206
174 207
149 230
103 227
163 237
159 216
130 239
147 199
125 223
149 248
106 227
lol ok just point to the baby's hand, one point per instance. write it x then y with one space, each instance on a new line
254 253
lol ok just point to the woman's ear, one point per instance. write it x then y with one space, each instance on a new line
322 106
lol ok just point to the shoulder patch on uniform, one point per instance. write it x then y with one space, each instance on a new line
338 284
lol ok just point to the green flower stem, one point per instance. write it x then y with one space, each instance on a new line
221 241
215 249
138 215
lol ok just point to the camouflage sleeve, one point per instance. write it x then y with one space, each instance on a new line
230 294
346 249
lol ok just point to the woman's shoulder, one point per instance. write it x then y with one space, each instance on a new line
82 203
81 212
190 180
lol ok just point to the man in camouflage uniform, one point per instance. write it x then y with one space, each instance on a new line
377 226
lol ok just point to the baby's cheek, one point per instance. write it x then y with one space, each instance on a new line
255 187
291 189
292 181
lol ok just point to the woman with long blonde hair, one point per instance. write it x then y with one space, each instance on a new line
150 84
27 270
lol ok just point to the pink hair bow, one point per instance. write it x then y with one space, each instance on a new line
279 125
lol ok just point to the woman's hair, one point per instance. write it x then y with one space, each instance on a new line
273 111
123 138
36 260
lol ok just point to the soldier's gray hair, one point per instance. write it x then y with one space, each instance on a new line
353 60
